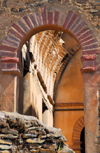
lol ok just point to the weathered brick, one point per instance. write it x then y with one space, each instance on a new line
15 26
90 47
2 65
33 20
50 17
82 31
86 39
79 27
13 32
87 33
38 18
72 21
56 17
7 48
9 65
88 63
88 69
74 25
11 60
68 18
23 26
43 12
12 38
94 51
89 42
8 54
88 57
26 19
10 43
62 19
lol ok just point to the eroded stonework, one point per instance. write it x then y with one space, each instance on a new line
26 134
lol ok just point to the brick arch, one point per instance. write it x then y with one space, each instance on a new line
43 19
79 125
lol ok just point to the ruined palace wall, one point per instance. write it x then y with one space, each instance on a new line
25 134
87 14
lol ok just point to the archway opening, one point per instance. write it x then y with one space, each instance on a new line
19 34
42 56
82 140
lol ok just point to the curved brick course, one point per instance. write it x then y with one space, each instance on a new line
76 133
47 18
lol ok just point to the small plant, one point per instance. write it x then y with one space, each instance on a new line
60 146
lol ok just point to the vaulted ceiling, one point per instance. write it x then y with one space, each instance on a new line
52 51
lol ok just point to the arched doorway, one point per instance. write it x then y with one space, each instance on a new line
48 19
82 140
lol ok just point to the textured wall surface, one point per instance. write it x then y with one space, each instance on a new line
89 13
26 134
11 10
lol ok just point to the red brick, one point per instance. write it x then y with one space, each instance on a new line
26 19
10 43
95 63
56 17
2 65
18 29
72 20
81 31
89 42
86 39
62 19
90 47
88 33
88 69
11 60
23 26
50 17
38 18
12 38
7 48
95 51
33 20
88 57
43 12
15 71
88 63
9 65
68 18
13 32
79 27
75 24
8 54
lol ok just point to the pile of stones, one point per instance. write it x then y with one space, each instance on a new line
26 134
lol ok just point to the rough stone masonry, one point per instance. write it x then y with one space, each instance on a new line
26 134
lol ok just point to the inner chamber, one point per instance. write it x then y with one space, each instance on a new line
52 86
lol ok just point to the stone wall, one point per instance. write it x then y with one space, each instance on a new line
26 134
10 11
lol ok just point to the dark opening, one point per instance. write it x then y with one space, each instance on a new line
44 107
82 140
